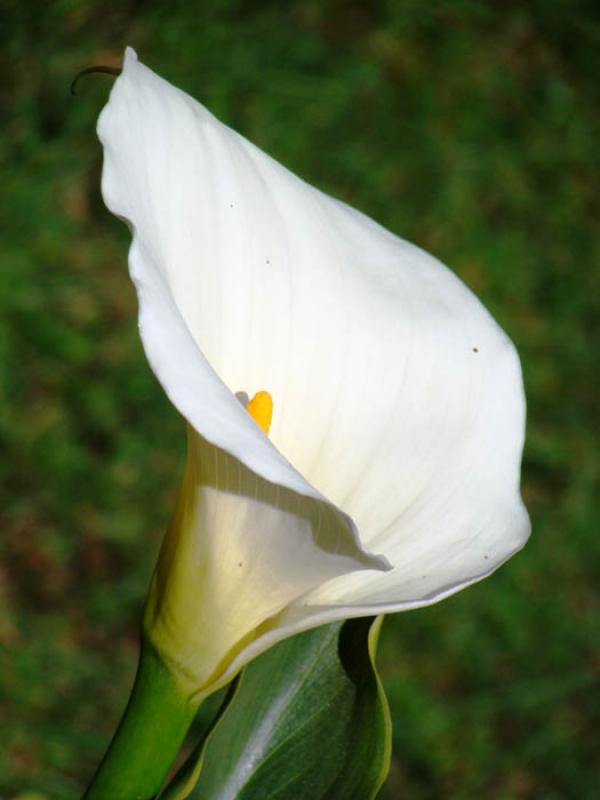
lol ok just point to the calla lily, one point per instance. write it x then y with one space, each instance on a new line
389 478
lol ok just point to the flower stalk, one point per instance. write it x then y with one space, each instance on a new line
149 736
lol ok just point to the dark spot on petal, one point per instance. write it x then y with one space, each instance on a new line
241 563
475 349
486 557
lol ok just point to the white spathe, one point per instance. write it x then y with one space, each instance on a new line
391 475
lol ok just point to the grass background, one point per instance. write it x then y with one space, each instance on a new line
466 127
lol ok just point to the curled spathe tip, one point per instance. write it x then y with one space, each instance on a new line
115 71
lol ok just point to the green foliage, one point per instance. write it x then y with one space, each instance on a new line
308 719
466 127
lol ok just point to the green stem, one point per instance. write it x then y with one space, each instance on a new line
148 738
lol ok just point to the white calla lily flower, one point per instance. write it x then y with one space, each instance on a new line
390 475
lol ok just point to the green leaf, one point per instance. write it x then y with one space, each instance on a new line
309 720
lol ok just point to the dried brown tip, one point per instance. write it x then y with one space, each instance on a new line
89 70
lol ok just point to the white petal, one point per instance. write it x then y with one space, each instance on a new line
238 551
397 397
151 133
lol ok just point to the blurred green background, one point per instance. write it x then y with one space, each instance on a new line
466 127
